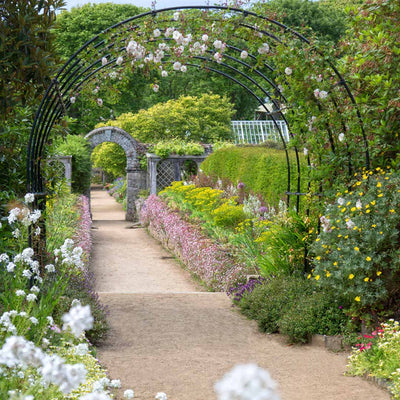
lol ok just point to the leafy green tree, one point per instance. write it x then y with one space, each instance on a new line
372 64
110 158
74 28
27 60
204 119
327 21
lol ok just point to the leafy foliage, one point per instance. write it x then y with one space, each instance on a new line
27 58
79 149
262 170
74 28
111 158
203 119
357 251
176 147
324 19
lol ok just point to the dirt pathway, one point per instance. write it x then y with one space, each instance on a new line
169 335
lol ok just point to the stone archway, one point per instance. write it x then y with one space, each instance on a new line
136 178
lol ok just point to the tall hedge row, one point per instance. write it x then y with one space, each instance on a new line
263 170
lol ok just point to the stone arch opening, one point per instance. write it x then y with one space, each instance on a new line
135 177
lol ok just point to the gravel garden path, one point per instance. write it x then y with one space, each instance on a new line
168 334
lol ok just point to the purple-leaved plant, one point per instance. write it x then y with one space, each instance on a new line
218 269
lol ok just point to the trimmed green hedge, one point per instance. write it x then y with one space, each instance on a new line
263 170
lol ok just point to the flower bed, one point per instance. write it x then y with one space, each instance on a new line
216 267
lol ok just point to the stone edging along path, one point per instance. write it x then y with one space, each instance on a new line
168 334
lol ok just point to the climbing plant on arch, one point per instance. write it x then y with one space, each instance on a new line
260 54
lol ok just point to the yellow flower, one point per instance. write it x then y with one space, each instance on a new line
373 202
368 258
317 240
392 211
368 211
358 183
366 279
367 206
339 249
309 276
351 276
343 209
357 298
374 225
335 263
353 209
318 258
317 277
348 203
339 236
380 194
378 184
328 274
356 248
379 273
361 193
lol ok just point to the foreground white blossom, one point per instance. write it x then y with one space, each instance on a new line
244 54
95 396
72 99
161 396
288 71
129 394
78 319
341 137
19 352
246 382
104 61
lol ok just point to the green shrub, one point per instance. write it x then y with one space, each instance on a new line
79 148
319 312
357 252
165 148
267 303
261 169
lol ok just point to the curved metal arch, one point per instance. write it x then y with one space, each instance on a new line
53 106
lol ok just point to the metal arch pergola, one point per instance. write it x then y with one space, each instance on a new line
76 73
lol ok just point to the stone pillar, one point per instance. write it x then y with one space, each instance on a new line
136 181
152 162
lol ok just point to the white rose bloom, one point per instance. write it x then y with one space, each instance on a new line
341 137
72 99
341 201
164 74
177 36
100 102
288 71
119 61
217 44
177 66
169 32
218 57
156 33
323 94
176 16
104 61
156 87
358 204
244 54
204 38
316 93
264 49
183 68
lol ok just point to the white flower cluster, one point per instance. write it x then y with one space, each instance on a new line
24 215
326 224
17 352
71 256
78 319
320 94
247 382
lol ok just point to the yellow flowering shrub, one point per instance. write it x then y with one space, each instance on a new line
357 251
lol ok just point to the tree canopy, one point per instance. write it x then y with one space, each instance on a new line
203 119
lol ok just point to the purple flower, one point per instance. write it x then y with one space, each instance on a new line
240 185
263 210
